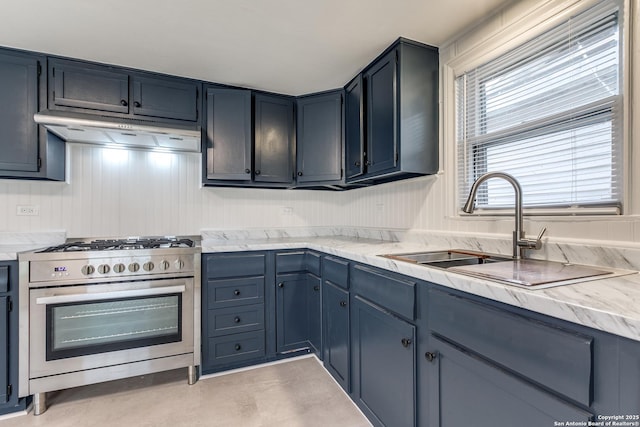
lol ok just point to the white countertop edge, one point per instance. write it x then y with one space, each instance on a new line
610 305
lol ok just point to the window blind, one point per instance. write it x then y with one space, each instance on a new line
548 113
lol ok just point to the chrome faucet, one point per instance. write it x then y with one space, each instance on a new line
520 241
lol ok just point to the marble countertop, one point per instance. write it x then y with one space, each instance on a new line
13 243
609 304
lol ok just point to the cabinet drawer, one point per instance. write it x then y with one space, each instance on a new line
4 278
555 358
232 292
389 291
235 265
336 271
236 347
293 262
233 320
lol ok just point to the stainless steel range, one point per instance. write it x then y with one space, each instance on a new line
93 311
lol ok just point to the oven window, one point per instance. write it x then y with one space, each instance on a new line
77 329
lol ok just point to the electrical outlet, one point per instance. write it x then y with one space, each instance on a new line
28 210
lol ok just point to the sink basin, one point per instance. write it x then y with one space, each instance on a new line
448 258
525 273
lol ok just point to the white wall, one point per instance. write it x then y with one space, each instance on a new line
113 193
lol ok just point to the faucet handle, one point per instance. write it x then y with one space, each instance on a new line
540 234
532 243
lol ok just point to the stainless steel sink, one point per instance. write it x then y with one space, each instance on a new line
448 258
526 273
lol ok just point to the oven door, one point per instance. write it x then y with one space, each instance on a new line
82 327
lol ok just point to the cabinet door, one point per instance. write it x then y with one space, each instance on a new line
292 317
87 86
315 325
466 390
381 90
319 141
274 139
354 128
383 363
4 349
228 140
165 98
335 305
19 102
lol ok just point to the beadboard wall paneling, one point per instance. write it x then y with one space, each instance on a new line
118 193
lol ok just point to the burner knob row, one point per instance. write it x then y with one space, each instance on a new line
134 267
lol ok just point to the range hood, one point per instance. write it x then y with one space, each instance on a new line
123 133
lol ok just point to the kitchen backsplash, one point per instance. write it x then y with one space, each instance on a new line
115 192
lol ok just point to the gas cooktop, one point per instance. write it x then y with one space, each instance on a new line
128 243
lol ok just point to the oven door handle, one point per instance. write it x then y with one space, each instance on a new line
60 299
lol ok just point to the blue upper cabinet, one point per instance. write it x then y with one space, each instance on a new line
392 116
228 142
354 131
319 139
168 98
100 89
274 139
86 86
27 150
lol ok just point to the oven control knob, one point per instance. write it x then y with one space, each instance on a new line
119 268
88 270
164 265
179 264
103 269
148 266
133 267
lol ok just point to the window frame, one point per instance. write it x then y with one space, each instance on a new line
486 43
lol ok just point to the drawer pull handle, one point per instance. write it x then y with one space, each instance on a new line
237 320
236 292
281 285
343 303
430 356
406 342
238 347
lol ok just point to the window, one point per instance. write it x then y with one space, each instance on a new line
549 113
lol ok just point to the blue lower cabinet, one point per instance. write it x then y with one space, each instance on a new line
9 401
335 303
292 320
233 310
314 297
468 391
383 365
4 355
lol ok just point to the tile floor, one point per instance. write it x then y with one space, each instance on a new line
295 393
